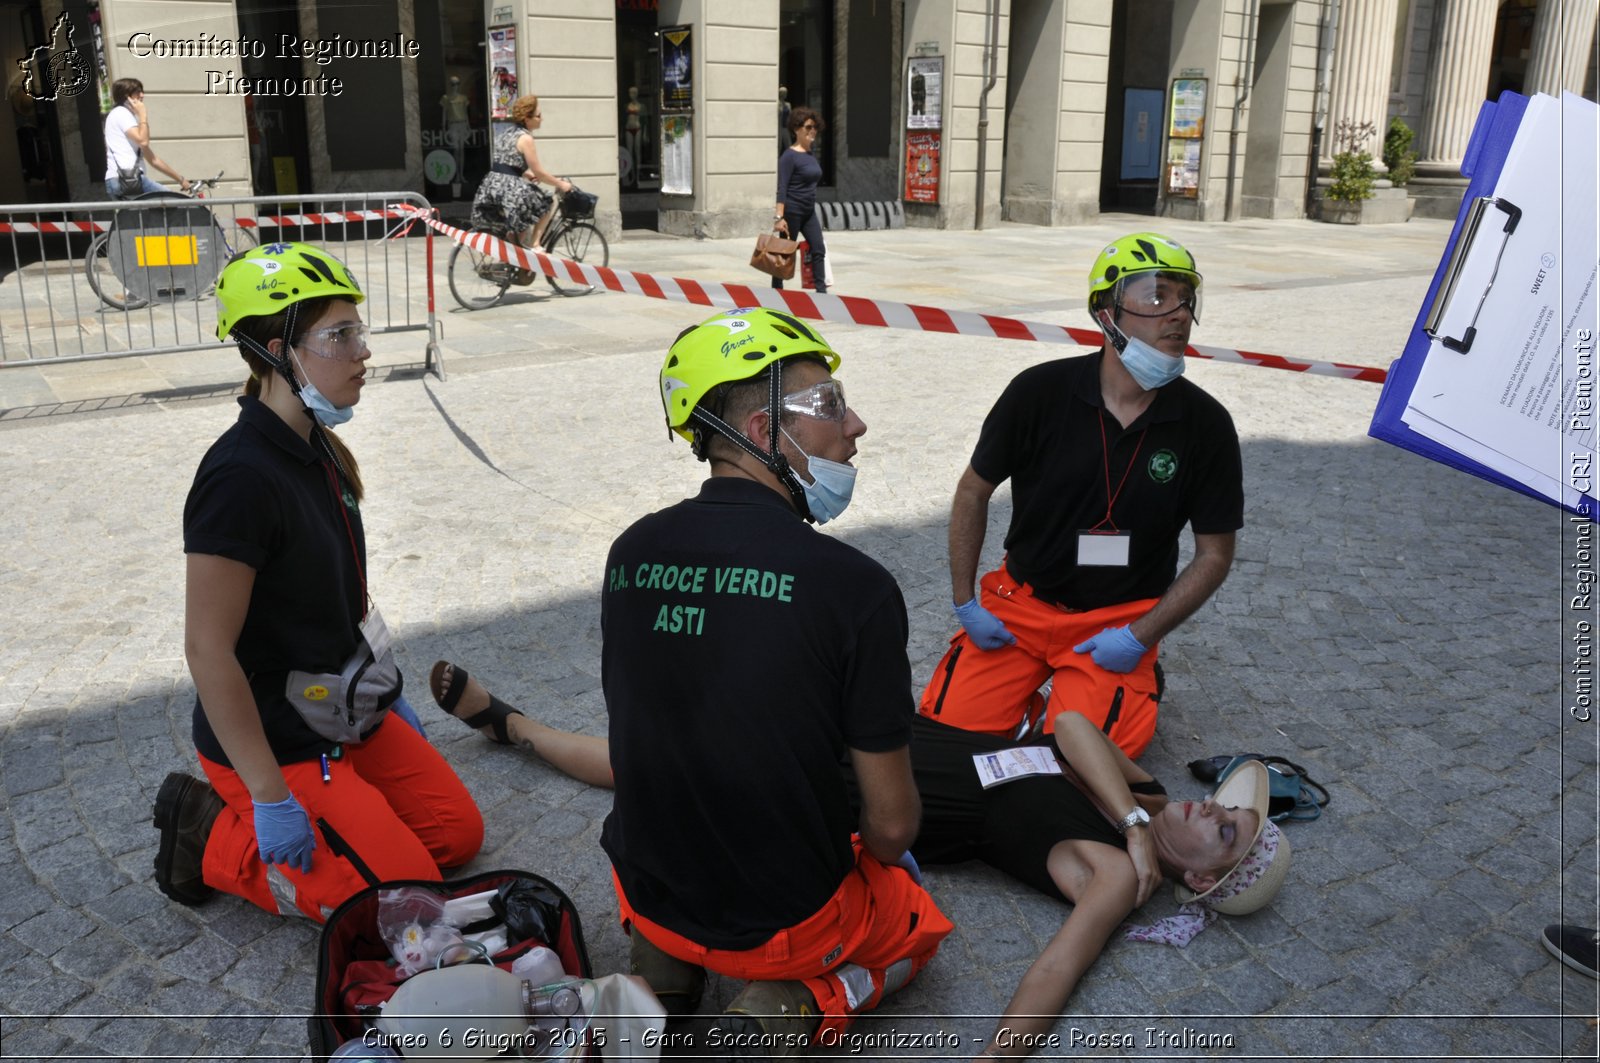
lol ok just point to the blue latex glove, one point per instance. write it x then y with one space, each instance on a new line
283 834
1116 649
402 708
983 626
909 862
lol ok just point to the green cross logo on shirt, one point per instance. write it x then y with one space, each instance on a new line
1163 466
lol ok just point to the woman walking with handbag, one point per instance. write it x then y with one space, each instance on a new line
799 173
316 788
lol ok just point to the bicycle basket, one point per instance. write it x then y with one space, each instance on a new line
579 204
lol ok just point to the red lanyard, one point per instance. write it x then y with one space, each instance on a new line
344 511
1105 456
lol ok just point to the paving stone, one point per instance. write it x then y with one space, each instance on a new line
1413 662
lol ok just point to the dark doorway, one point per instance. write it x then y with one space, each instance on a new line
805 68
1513 43
1136 86
638 113
280 163
452 91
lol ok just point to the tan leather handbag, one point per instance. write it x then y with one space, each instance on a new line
774 255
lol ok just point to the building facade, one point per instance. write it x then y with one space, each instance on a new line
1046 112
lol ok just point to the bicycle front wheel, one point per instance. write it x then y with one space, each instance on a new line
581 242
477 280
104 282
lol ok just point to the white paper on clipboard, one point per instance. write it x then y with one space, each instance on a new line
1519 397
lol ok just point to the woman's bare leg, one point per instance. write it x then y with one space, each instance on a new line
586 758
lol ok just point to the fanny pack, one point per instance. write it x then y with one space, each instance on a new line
344 706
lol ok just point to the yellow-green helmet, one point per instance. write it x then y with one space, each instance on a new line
734 345
268 279
1139 253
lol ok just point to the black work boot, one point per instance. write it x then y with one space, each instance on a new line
676 983
185 809
770 1020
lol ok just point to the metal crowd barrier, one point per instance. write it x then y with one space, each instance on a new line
155 261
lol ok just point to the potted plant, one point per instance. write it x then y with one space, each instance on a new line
1352 178
1397 153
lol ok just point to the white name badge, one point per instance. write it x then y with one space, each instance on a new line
1007 765
1107 549
376 632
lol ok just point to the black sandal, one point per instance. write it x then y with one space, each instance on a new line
494 716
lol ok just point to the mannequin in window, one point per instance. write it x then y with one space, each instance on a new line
457 124
635 138
784 139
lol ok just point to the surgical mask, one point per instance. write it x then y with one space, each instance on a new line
831 485
1149 367
322 408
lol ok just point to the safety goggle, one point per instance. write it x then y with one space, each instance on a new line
824 401
1158 296
343 343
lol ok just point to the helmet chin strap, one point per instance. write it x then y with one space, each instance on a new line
285 369
1106 319
772 458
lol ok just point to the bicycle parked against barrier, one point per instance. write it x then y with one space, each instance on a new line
136 261
479 280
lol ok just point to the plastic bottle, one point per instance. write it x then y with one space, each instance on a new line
538 965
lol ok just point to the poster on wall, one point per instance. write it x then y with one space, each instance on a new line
922 166
677 155
1188 108
677 69
925 92
1183 168
502 71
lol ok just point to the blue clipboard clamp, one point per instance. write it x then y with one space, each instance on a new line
1492 136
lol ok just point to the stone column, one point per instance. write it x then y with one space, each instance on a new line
1457 83
1563 31
1363 56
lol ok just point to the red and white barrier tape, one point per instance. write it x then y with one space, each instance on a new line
849 308
53 227
334 218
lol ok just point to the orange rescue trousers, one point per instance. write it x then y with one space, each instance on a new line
392 806
993 691
872 937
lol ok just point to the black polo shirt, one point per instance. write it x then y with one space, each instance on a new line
744 653
1177 463
264 497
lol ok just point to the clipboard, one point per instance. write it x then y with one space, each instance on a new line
1456 294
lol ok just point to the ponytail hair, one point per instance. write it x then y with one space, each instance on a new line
264 330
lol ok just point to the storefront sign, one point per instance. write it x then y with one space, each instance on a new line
502 70
922 166
677 69
1188 108
925 92
1183 168
677 155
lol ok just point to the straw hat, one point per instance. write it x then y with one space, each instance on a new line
1255 879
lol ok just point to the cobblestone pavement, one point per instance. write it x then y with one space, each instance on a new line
1399 628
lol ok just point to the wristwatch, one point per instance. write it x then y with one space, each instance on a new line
1137 818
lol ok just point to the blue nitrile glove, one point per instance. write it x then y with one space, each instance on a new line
283 834
402 708
909 862
983 626
1116 649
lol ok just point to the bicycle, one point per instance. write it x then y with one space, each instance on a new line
101 267
479 281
